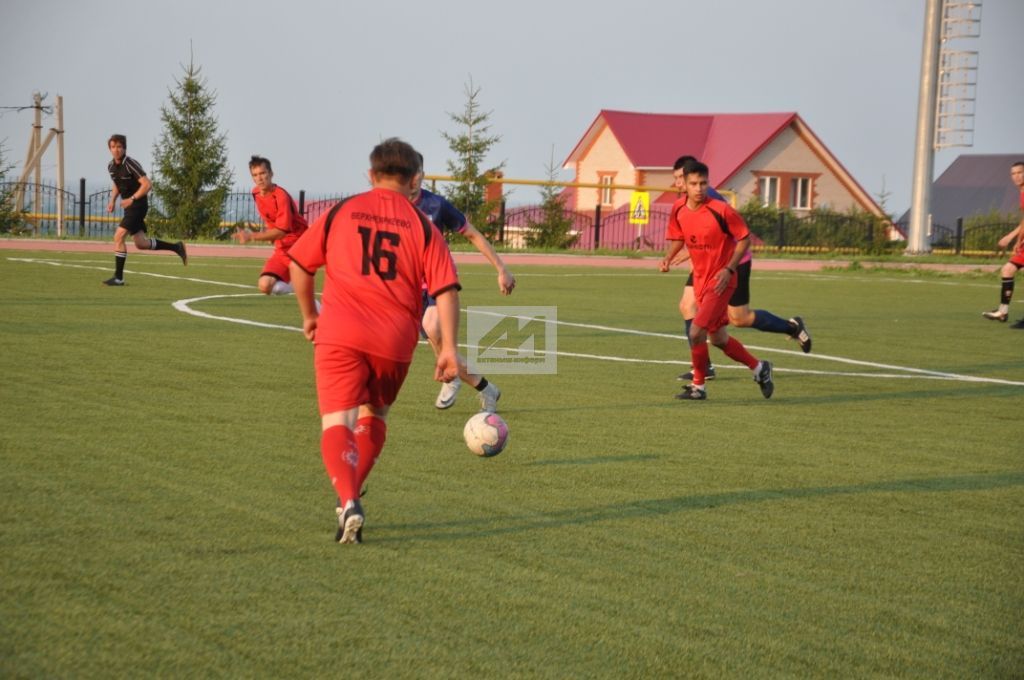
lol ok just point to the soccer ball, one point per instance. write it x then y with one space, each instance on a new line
486 434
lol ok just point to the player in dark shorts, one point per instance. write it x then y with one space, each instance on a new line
132 185
1016 262
450 219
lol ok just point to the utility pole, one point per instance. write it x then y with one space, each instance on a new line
945 106
918 242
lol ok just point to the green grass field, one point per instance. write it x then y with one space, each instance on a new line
165 513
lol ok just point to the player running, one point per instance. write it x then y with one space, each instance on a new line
449 219
377 250
1010 269
717 238
132 185
740 314
284 226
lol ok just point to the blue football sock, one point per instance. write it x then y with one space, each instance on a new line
769 323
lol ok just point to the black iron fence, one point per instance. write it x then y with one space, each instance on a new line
43 207
966 237
613 230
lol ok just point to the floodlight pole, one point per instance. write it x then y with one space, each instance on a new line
918 241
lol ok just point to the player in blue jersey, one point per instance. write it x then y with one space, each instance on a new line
448 218
740 314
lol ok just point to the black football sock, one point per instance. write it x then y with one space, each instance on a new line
119 259
1006 294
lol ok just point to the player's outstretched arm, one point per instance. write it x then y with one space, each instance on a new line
447 366
506 281
1005 241
271 234
303 283
673 249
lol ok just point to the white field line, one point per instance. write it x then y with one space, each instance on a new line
184 305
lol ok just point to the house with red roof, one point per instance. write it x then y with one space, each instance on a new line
773 158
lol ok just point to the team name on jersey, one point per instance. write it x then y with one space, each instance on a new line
382 219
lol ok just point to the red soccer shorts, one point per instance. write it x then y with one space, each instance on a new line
712 308
277 265
1018 259
346 378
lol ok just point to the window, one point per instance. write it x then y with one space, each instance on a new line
769 191
800 193
606 188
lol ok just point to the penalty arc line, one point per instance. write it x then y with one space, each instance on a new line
918 372
185 306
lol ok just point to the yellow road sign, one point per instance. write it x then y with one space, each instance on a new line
639 207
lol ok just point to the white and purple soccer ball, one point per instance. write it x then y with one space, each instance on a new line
486 434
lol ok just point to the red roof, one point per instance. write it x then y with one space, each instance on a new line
723 141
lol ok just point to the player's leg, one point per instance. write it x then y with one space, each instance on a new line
135 222
431 325
120 256
735 350
741 316
342 385
275 279
688 310
1007 274
487 392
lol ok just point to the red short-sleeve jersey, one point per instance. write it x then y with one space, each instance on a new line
279 211
710 234
378 249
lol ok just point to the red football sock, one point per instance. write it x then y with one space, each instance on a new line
370 435
735 350
700 358
341 457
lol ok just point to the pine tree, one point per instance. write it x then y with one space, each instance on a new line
10 216
554 229
192 175
471 145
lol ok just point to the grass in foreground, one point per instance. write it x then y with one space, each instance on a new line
163 509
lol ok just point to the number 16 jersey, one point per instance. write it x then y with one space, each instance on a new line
377 249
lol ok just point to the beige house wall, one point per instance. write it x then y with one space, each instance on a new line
604 156
789 153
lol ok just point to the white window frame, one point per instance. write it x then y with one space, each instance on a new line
800 193
765 184
606 189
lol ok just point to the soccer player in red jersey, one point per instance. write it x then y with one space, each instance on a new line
1010 269
284 226
717 238
740 314
132 185
377 250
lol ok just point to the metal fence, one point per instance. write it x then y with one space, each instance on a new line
85 214
966 239
780 232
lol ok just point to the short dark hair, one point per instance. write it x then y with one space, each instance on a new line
682 161
120 139
1020 163
696 167
255 160
395 157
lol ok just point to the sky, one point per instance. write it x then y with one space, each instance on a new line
314 85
